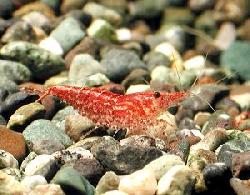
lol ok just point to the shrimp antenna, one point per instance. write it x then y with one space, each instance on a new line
177 72
203 100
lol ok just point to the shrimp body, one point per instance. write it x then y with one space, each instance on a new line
134 111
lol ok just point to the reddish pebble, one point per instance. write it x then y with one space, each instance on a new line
12 142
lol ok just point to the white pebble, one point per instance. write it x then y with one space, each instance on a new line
197 62
50 44
177 181
142 182
29 182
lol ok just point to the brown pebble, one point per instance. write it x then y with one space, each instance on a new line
12 142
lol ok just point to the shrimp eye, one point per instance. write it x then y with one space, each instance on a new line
157 94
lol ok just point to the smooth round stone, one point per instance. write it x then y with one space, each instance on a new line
86 46
237 53
30 182
178 16
241 165
14 71
137 88
142 182
19 31
162 73
178 180
136 76
7 160
37 19
41 130
197 5
219 119
72 155
10 184
100 11
61 114
84 65
119 63
226 151
109 182
196 62
115 192
241 187
15 172
168 50
211 141
175 35
68 5
162 164
217 173
153 59
123 159
101 29
47 146
147 8
77 125
72 37
52 45
50 189
201 117
44 165
13 142
15 100
35 6
72 182
41 62
25 114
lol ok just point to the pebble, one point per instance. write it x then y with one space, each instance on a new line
68 5
177 180
7 160
142 182
86 46
14 100
241 165
10 184
24 115
49 189
72 182
153 59
51 44
201 117
74 33
123 159
37 19
30 182
77 125
211 141
237 53
43 130
84 65
14 71
98 11
101 29
45 165
137 88
136 76
161 165
200 5
119 63
240 94
196 62
241 187
226 151
19 50
217 173
19 31
115 192
34 6
15 172
13 142
108 182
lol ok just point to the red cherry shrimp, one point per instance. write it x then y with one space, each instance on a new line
134 112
